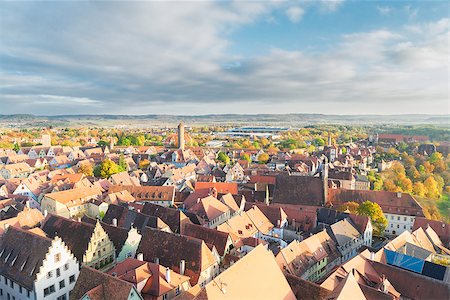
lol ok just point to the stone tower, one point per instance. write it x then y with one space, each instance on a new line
181 136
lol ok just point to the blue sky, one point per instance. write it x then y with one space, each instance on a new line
335 57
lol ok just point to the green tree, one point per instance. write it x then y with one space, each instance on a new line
223 158
122 163
106 169
375 213
246 157
318 142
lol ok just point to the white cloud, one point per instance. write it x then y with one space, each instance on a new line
331 5
384 10
295 13
159 57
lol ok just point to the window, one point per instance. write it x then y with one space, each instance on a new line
20 289
6 281
177 291
165 297
404 219
11 283
28 293
398 225
63 297
1 292
62 284
398 218
72 279
58 272
66 267
49 274
49 290
57 257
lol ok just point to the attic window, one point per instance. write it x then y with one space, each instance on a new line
23 265
7 257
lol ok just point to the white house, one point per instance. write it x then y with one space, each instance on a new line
35 267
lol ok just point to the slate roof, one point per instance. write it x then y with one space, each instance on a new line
17 261
76 235
127 218
171 216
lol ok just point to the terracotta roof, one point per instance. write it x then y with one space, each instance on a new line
100 286
390 202
221 187
442 229
255 276
17 261
348 288
304 289
270 179
304 190
209 208
413 285
151 275
171 248
74 196
210 236
147 193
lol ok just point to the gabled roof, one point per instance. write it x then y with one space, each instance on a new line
209 208
304 190
117 235
209 236
172 217
171 248
348 288
221 187
76 235
101 286
21 255
390 202
255 276
73 196
127 218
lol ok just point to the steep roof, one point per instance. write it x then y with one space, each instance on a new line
73 196
147 193
209 236
172 217
171 248
100 286
390 202
76 235
255 276
22 254
304 190
441 228
304 289
221 187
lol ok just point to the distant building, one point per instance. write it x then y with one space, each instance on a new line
181 136
46 140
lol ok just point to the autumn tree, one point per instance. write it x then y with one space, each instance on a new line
351 206
106 169
86 169
263 158
375 213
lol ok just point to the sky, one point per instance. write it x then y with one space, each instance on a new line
200 57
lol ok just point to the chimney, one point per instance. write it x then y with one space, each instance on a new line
139 210
182 266
6 226
114 222
372 256
28 204
45 213
140 256
198 200
168 275
399 194
157 260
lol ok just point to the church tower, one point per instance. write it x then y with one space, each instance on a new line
181 136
